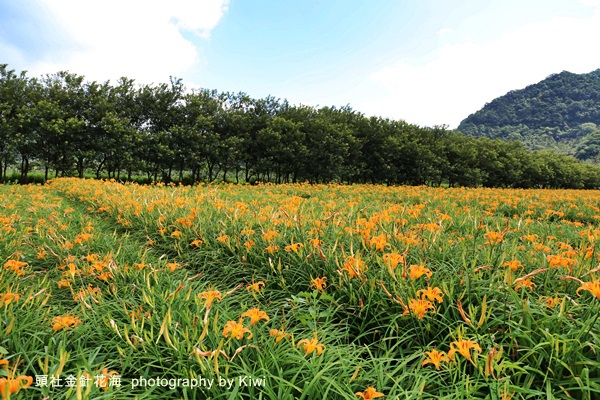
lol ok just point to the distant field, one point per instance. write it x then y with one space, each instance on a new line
297 291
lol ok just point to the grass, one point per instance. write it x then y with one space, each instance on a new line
411 292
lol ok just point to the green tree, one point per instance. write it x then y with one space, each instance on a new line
13 138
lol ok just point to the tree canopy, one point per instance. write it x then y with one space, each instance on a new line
63 125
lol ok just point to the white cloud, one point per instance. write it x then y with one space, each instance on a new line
136 38
462 77
590 3
444 31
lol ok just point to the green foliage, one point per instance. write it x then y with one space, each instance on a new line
135 264
557 113
61 125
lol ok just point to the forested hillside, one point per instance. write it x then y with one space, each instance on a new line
561 113
63 125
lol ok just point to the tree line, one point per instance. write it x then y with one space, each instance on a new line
64 125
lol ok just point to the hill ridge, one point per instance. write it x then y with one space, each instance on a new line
559 113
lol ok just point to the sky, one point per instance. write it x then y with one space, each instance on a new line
427 62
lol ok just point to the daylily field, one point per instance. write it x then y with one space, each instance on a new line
122 291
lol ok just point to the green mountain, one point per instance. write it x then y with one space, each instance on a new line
560 113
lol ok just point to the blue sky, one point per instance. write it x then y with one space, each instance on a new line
429 62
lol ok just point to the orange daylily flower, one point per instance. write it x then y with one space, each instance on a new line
15 266
185 221
278 334
172 266
494 238
255 315
379 242
419 307
369 393
105 276
269 235
236 330
524 283
293 247
432 293
196 243
91 258
560 261
255 286
354 266
176 233
209 296
513 264
435 357
464 348
83 238
312 345
223 238
551 302
393 259
63 283
315 242
7 298
103 379
592 287
272 249
319 283
417 271
427 227
65 322
10 386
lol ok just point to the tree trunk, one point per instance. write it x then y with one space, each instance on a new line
210 167
181 171
99 169
80 161
24 169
